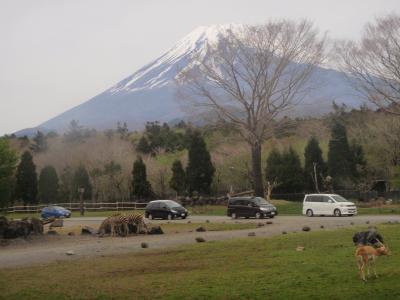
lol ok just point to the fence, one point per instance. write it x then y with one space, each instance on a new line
88 206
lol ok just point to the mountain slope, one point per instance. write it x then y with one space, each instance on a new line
150 93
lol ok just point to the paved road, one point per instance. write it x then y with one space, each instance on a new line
48 249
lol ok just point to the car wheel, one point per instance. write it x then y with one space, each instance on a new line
184 217
150 217
170 217
337 213
272 217
259 215
234 216
309 213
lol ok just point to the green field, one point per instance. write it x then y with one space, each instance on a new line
249 268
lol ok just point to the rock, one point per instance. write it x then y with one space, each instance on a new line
269 222
306 228
189 222
70 252
52 232
201 229
300 248
367 222
251 234
88 230
57 223
284 232
200 240
156 230
322 226
144 245
260 224
351 223
16 229
71 233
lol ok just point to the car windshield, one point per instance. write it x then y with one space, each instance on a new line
172 204
57 207
261 201
339 198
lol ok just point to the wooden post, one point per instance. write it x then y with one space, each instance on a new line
81 206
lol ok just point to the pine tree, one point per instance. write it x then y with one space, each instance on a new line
178 179
81 179
143 146
26 180
8 163
40 143
292 173
339 156
358 161
66 191
48 185
140 187
200 170
273 171
313 156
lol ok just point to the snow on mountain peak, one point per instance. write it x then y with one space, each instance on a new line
163 70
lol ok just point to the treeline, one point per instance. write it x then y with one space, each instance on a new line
345 167
22 183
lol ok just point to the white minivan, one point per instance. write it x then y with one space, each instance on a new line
327 205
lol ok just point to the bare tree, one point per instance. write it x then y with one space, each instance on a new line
251 77
373 63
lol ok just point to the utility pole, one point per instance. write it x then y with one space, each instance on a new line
81 207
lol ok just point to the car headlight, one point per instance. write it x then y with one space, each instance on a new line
264 209
174 211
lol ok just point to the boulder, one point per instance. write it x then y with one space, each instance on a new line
88 230
200 239
251 234
70 252
260 224
17 229
269 222
201 229
322 226
156 230
57 223
71 233
306 228
284 232
144 245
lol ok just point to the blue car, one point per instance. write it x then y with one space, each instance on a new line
55 211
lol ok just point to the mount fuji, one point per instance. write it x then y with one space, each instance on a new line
149 94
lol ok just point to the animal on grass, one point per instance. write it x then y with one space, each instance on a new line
366 257
368 238
136 223
116 224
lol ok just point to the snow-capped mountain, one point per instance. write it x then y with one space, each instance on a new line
149 94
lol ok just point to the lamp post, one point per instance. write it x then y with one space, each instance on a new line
81 207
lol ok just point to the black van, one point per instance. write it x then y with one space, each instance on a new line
247 207
165 209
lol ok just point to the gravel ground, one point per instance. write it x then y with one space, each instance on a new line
45 249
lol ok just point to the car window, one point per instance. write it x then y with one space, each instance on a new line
339 198
313 198
325 199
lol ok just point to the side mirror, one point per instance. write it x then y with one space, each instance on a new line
330 201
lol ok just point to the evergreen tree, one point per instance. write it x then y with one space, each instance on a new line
273 171
26 180
177 182
200 170
313 155
66 190
339 156
284 171
141 188
81 180
123 130
143 146
48 185
292 172
358 161
8 163
39 143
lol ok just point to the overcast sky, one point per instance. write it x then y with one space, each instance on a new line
56 54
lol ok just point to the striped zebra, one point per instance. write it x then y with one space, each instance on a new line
116 224
136 222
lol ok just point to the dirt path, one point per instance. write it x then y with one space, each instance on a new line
45 249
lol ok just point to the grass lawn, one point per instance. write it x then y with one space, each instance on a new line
249 268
